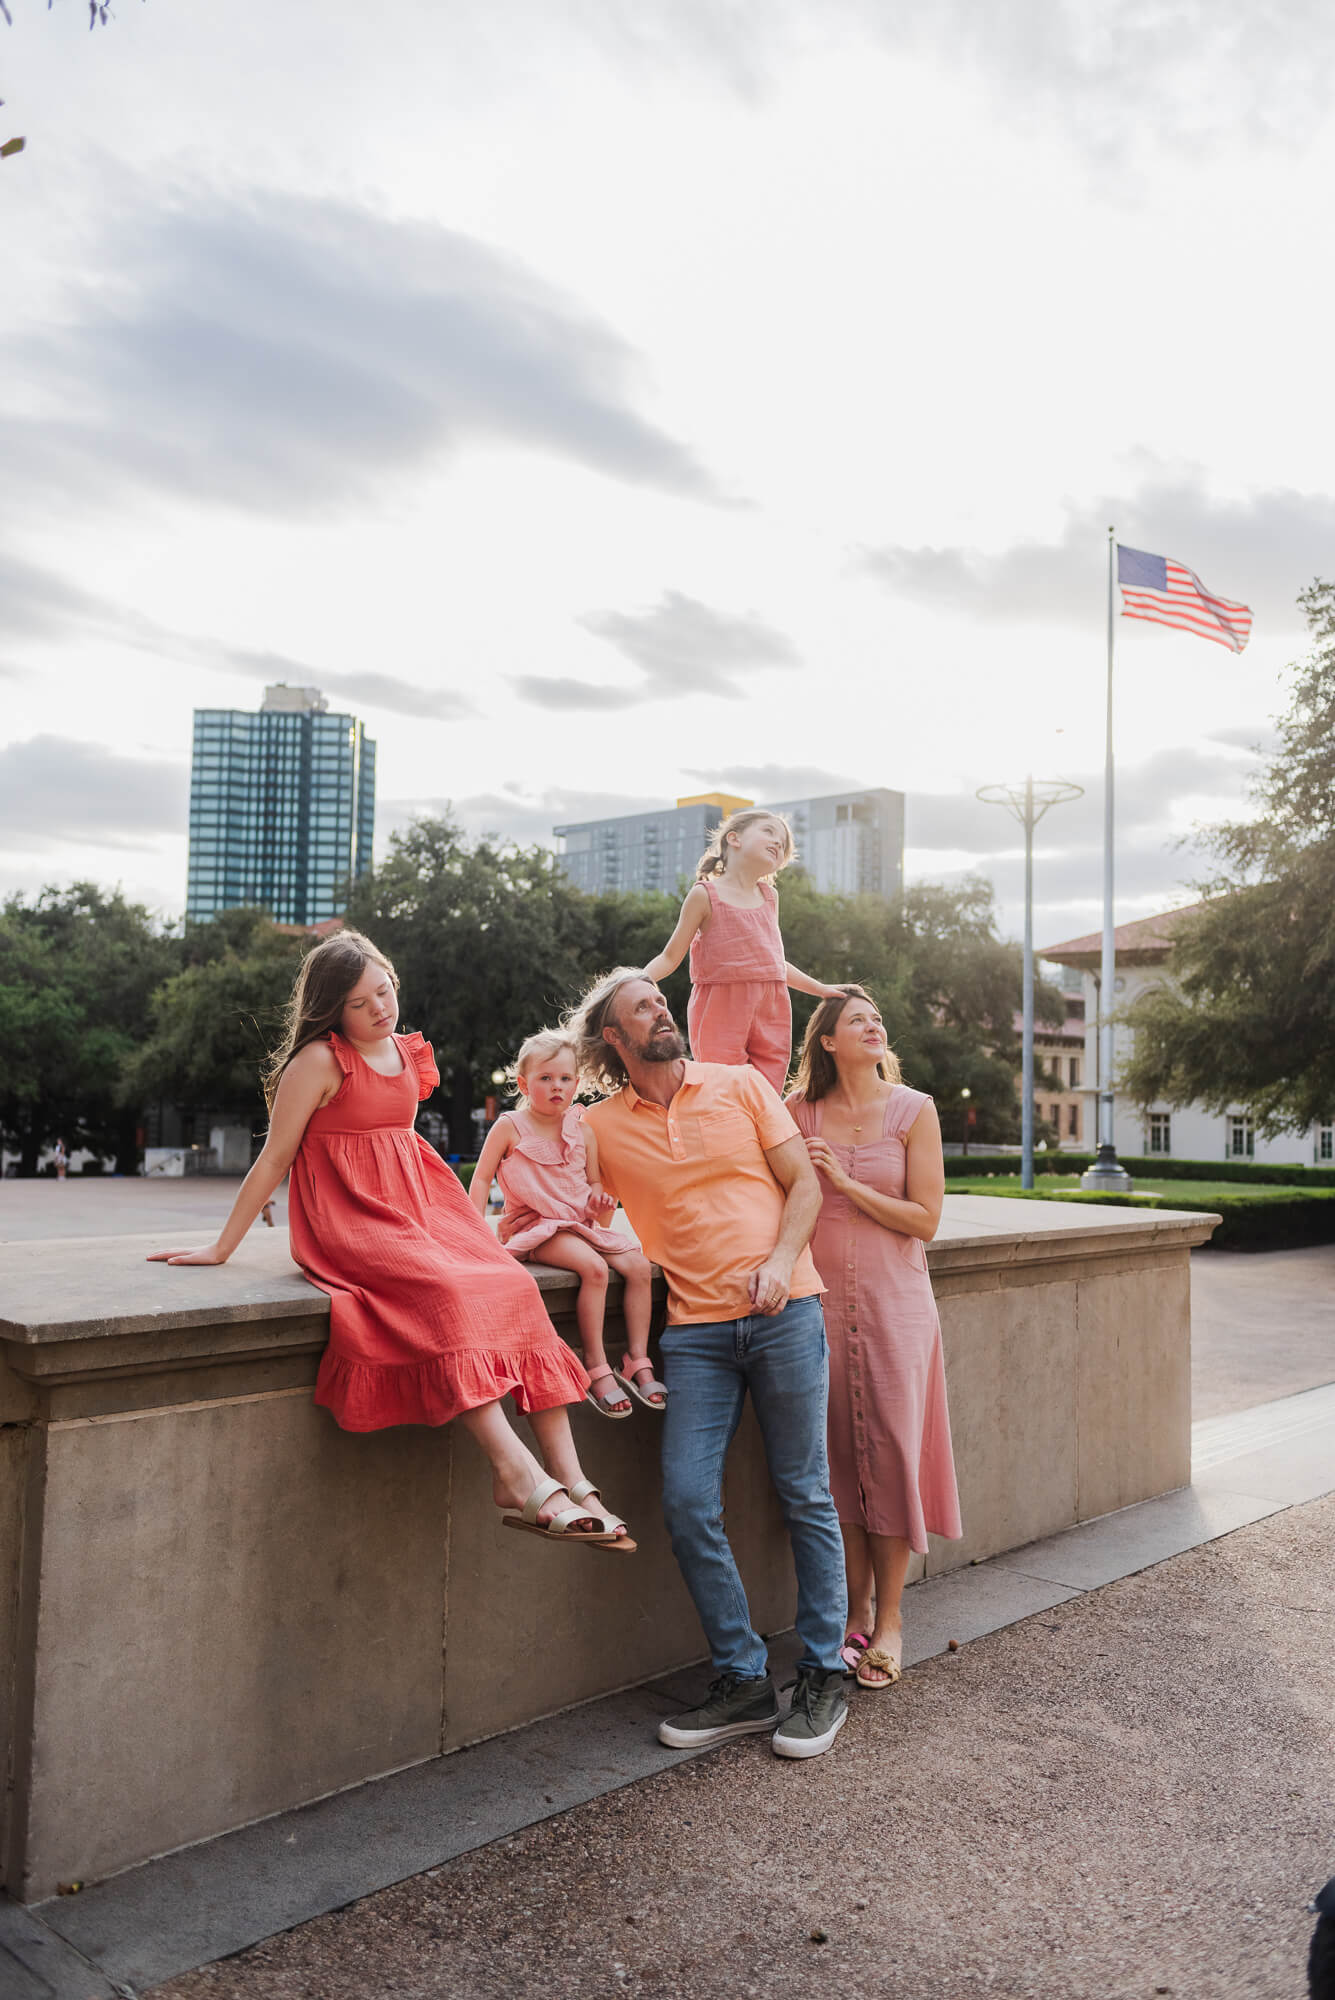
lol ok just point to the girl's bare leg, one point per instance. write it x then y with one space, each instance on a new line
552 1430
637 1274
514 1470
571 1253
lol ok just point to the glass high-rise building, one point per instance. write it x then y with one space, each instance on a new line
282 807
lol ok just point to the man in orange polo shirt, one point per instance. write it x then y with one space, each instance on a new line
715 1179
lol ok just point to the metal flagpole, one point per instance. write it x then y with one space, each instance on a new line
1028 806
1106 1174
1027 1041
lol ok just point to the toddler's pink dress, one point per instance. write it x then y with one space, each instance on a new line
739 1010
892 1470
546 1187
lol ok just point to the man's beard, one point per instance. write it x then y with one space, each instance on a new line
662 1048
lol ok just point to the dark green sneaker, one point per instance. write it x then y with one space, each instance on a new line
818 1713
734 1708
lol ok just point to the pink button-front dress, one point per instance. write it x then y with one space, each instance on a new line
739 1010
546 1187
892 1470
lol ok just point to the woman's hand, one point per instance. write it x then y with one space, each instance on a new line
822 1158
210 1254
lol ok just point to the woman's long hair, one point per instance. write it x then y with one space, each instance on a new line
326 977
816 1072
714 860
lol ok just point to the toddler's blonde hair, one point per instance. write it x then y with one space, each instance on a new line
539 1048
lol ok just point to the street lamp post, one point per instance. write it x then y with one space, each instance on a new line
966 1094
1027 803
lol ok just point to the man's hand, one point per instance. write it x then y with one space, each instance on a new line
768 1287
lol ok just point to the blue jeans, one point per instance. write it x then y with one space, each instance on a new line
783 1360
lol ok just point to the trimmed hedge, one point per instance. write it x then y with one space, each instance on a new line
1140 1166
1254 1219
960 1166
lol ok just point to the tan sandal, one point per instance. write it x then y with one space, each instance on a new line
874 1657
621 1540
561 1526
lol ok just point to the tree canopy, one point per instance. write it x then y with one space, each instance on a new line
1248 1014
215 1018
102 1013
79 965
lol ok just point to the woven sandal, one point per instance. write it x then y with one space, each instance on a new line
560 1528
642 1392
874 1657
621 1542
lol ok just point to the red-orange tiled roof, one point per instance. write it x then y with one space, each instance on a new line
1148 937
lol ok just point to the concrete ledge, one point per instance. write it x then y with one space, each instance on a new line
215 1606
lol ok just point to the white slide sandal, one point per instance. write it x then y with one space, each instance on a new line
560 1528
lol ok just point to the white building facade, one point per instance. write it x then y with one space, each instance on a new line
1167 1131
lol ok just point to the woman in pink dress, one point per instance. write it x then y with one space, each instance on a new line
877 1146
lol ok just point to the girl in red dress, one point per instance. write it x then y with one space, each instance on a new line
430 1319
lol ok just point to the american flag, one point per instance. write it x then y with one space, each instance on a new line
1168 593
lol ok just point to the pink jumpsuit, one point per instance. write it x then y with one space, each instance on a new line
739 1010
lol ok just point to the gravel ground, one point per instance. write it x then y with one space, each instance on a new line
1128 1796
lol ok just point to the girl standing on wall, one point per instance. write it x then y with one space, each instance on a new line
739 1010
430 1319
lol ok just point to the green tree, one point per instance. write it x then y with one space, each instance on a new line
78 968
214 1021
489 939
1248 1014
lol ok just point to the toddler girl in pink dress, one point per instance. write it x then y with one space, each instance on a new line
546 1160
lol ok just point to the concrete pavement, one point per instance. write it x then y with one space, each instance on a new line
1127 1795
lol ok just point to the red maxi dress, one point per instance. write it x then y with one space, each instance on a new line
428 1314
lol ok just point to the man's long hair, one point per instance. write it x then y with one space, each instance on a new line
599 1062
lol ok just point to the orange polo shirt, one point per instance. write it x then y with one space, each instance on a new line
695 1183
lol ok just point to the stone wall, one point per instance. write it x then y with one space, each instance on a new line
215 1605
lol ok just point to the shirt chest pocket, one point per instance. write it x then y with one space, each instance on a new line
724 1135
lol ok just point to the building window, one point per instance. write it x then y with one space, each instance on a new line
1073 1121
1075 1072
1241 1138
1325 1142
1161 1132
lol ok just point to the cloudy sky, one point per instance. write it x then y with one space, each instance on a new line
622 398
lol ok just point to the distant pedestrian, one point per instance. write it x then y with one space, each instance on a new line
266 1213
877 1147
430 1319
715 1180
61 1159
739 1011
546 1160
